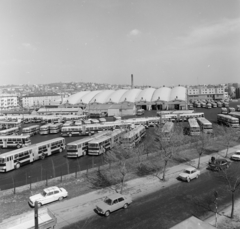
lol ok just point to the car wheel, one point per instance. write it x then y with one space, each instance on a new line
60 198
188 179
17 166
60 150
197 177
18 146
125 206
107 213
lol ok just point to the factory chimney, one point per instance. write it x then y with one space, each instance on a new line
132 81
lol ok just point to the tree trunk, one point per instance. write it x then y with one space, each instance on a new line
164 169
122 184
227 150
233 199
199 158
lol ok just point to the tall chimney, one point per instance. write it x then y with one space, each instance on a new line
132 81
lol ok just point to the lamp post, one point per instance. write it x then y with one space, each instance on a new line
216 206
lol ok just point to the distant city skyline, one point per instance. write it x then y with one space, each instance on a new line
160 42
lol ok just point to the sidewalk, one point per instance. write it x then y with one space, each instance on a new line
81 207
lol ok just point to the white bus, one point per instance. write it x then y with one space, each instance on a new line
31 130
186 116
140 112
55 128
137 121
205 125
80 147
17 141
101 144
69 131
153 121
8 125
167 130
194 128
133 137
209 106
45 129
17 158
11 131
228 120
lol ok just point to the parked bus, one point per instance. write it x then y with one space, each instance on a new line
17 141
238 108
55 128
46 220
137 121
101 144
228 120
224 110
69 131
194 128
203 105
167 130
186 116
235 115
214 105
153 121
80 147
17 158
140 112
8 125
31 130
231 109
133 137
219 104
45 129
209 106
11 131
205 125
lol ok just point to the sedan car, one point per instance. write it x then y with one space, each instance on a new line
113 203
48 195
189 173
236 156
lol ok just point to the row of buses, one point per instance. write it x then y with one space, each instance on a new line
228 120
198 125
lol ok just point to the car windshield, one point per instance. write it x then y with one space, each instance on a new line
44 193
237 153
108 201
187 171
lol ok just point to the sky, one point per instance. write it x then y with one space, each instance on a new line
160 42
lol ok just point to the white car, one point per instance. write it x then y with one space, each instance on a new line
113 203
47 196
236 156
189 173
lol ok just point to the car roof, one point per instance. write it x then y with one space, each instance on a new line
49 189
190 168
115 196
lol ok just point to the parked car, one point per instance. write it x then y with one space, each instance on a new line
189 173
113 203
218 164
48 195
236 156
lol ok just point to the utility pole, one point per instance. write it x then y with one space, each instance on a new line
36 215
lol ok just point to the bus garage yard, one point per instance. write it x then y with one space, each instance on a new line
58 165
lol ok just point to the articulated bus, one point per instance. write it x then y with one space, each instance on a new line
8 125
31 130
133 137
17 141
194 128
186 116
80 147
228 120
55 128
11 131
45 129
167 130
17 158
101 144
205 125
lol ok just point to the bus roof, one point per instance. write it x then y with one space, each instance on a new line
15 136
193 122
13 152
204 121
29 127
133 132
167 126
49 141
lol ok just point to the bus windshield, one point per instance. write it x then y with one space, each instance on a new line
2 160
71 148
93 145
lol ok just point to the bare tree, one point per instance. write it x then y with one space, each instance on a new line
231 179
200 145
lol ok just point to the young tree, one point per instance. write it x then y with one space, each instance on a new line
200 145
231 179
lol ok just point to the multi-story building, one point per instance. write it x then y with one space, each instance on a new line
8 101
38 100
205 92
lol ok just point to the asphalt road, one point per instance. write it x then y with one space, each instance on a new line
162 209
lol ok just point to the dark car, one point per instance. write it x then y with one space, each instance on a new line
218 164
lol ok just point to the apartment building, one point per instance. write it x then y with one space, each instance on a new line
8 101
38 100
205 92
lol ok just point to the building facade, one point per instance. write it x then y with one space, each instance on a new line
8 101
38 100
205 92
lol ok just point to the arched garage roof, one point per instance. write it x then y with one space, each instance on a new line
116 96
178 93
88 97
130 95
102 97
161 94
75 98
145 95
